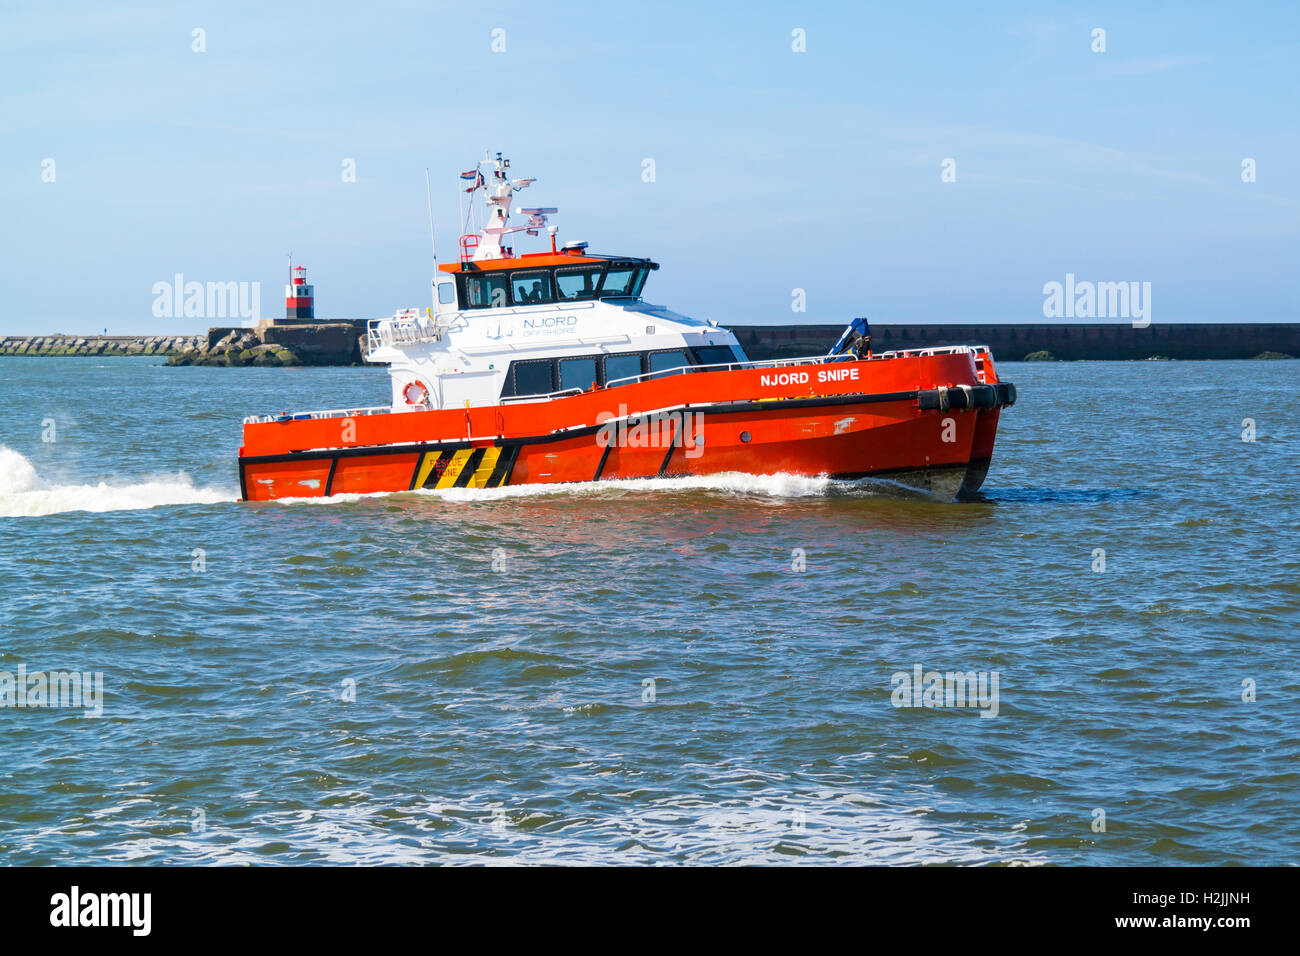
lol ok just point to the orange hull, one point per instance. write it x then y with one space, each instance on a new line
926 420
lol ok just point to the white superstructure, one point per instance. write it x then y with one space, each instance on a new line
507 327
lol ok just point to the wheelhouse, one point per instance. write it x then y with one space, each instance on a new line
548 279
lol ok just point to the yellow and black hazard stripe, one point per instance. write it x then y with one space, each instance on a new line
465 468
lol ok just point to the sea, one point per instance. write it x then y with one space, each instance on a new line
1097 662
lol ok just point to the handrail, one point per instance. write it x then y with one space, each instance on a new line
542 395
977 350
409 330
763 363
328 413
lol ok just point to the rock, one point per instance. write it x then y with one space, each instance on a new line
1040 356
1266 355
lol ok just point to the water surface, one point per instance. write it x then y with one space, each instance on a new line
499 643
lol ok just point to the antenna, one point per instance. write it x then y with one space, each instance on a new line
428 194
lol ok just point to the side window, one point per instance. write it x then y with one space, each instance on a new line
577 373
485 292
624 365
446 293
530 288
663 361
534 378
577 283
715 355
617 282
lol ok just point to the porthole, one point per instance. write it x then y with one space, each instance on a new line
744 436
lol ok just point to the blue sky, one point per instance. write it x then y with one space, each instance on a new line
774 170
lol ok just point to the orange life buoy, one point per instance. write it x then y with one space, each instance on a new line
416 393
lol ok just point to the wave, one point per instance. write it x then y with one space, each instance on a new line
733 483
736 483
24 495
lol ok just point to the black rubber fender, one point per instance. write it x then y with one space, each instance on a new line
1006 394
932 399
957 397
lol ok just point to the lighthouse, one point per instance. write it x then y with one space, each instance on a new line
298 295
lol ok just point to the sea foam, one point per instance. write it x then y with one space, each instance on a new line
24 494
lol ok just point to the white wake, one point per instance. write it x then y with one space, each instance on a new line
24 494
732 483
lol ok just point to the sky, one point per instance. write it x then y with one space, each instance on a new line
908 162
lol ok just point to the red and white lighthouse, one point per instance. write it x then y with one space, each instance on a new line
298 295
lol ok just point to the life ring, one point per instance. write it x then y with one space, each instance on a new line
416 393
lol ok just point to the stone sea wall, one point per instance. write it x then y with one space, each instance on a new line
88 345
270 343
274 344
1044 341
341 341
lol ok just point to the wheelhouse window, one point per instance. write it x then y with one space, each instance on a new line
662 362
577 373
534 378
638 281
623 365
531 288
485 291
618 281
577 283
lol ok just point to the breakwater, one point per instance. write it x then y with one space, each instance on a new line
90 345
270 342
341 342
1016 342
279 342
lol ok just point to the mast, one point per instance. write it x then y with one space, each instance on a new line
428 195
498 190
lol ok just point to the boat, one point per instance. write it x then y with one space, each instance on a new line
551 366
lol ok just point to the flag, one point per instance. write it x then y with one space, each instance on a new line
477 177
